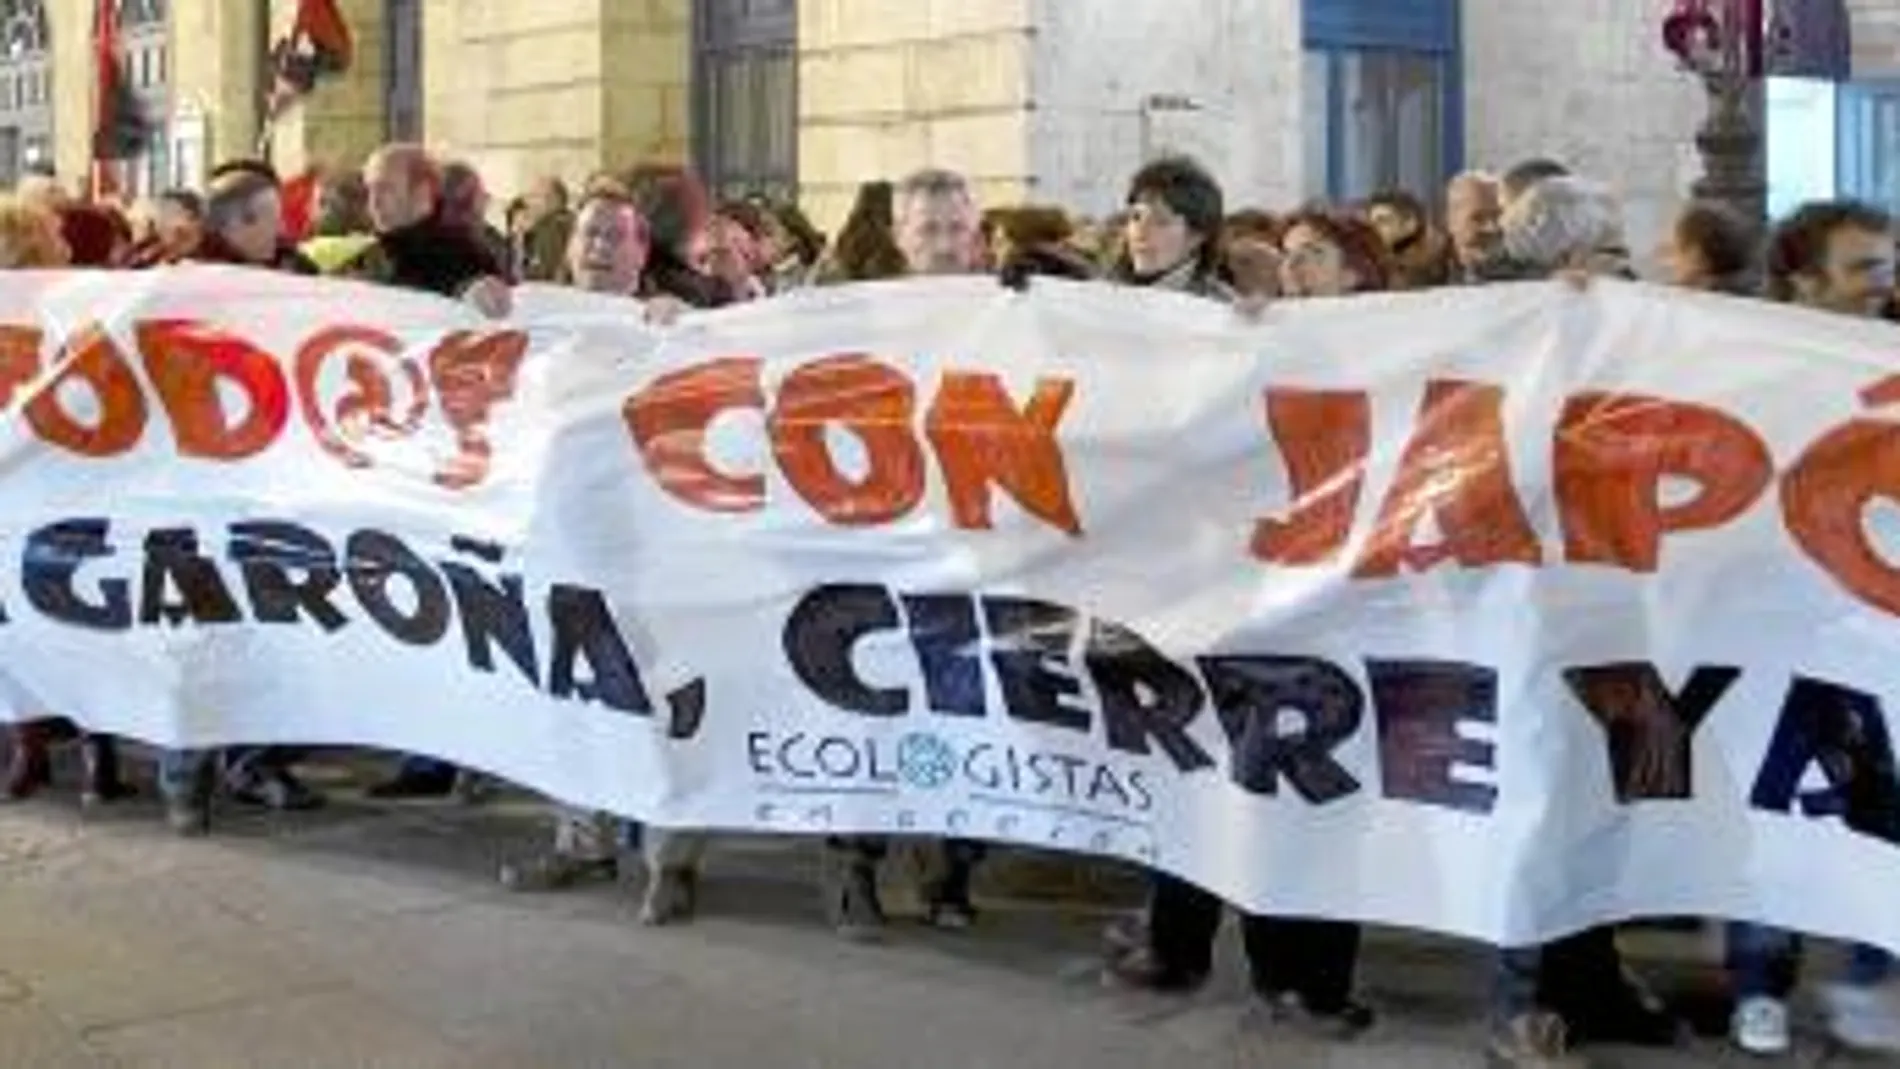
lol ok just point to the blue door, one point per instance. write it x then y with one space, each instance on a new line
1387 110
1867 143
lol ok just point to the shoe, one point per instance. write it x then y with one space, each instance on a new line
1140 969
672 894
103 783
948 906
1760 1026
189 818
853 905
1532 1041
31 766
1862 1019
414 786
1630 1016
554 871
472 788
1348 1020
1125 934
276 789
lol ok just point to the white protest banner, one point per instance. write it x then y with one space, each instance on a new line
1496 612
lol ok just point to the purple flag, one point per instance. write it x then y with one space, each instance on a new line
1810 39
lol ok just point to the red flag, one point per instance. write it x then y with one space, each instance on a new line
298 197
319 45
105 33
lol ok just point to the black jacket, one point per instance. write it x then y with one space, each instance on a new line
436 257
667 275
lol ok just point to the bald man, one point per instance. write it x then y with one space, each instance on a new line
1473 215
426 250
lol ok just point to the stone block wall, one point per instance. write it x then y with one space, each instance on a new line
885 88
1589 83
561 87
1099 69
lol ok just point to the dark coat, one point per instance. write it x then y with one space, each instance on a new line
669 276
435 257
213 249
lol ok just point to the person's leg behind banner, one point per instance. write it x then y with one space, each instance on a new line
262 776
1863 1013
186 779
1583 980
672 863
1763 965
1178 953
1525 1034
947 901
418 777
586 847
1304 971
850 884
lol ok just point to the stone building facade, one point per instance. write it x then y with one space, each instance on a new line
1052 100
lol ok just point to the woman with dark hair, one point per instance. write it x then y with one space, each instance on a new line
1302 970
1421 254
866 246
1250 253
1171 234
1329 255
674 204
794 244
1711 248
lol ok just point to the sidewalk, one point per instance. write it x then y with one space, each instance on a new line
357 937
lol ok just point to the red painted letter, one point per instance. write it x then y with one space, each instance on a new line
873 401
1456 468
471 373
1323 438
91 357
668 421
1611 454
980 438
186 361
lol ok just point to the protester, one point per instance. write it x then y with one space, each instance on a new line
96 235
791 245
1250 253
1329 255
1833 256
422 247
933 227
1576 991
465 205
732 253
1565 224
1710 248
177 224
342 240
1421 256
1474 221
30 236
673 202
1300 969
1525 176
242 227
866 247
547 231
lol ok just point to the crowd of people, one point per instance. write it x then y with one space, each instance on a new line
408 219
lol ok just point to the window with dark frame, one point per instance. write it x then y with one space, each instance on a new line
26 111
745 96
402 71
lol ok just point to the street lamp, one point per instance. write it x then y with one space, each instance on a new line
1720 42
